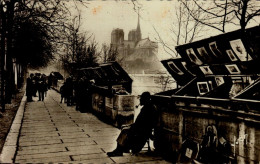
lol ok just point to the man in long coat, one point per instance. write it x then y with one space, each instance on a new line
29 88
135 137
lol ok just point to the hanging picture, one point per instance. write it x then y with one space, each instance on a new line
240 50
203 53
214 49
185 66
233 69
192 56
231 55
174 68
219 80
206 70
203 87
210 85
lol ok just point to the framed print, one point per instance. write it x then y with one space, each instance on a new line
185 66
206 70
174 68
219 81
203 87
192 56
233 69
203 53
214 49
231 55
240 50
210 85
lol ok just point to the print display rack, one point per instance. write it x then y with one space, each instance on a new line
218 85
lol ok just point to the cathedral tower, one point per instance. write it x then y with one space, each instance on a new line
117 36
138 30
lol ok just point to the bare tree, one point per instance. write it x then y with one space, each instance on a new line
81 49
109 53
49 15
165 81
220 14
46 14
184 28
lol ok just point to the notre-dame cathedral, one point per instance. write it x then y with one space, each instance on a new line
136 55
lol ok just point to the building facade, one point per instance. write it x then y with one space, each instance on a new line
138 56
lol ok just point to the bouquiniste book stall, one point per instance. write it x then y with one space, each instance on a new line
219 89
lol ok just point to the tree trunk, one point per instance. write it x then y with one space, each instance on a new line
9 63
243 15
3 32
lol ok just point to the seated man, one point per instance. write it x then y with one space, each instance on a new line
135 137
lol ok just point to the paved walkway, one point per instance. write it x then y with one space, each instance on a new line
53 132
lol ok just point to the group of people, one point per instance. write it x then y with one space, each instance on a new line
77 92
66 91
36 83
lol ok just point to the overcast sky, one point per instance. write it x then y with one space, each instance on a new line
101 17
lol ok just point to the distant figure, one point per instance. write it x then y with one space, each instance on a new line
80 94
29 88
62 93
69 90
50 79
41 88
34 84
134 137
45 87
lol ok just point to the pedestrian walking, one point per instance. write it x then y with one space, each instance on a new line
50 79
45 84
80 88
62 93
41 88
35 84
29 88
69 90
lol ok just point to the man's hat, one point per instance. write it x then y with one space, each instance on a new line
146 95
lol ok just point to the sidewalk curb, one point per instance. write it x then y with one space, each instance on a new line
8 152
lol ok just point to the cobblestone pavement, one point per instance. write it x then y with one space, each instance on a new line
53 132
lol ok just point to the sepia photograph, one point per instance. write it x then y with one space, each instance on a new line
174 68
184 64
233 69
214 49
203 53
219 81
206 70
193 57
239 49
129 81
203 87
231 55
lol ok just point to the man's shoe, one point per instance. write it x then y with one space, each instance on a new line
114 154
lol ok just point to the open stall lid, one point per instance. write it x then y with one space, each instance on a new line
178 70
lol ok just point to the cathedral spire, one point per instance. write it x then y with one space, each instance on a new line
138 29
